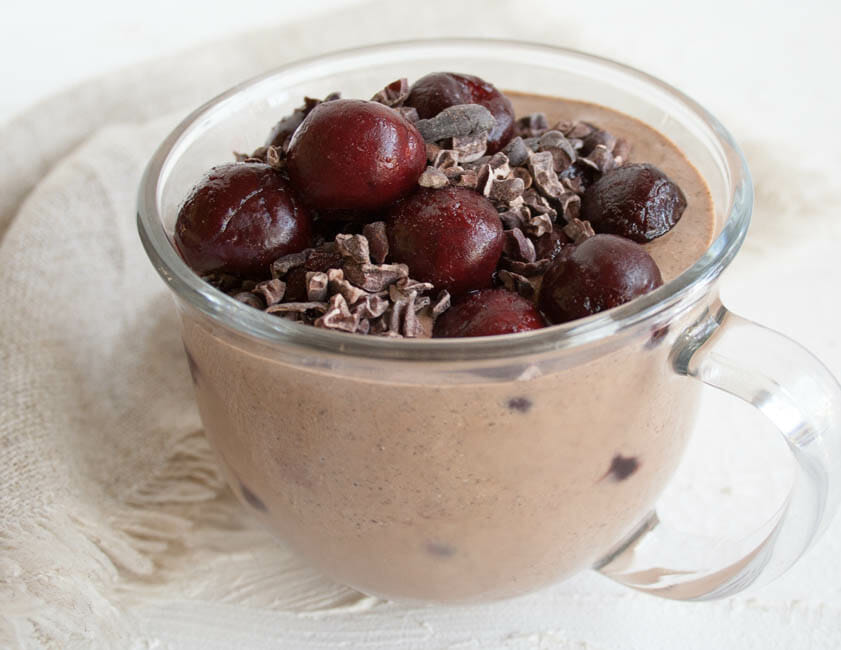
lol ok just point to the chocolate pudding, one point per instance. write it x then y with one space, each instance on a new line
456 481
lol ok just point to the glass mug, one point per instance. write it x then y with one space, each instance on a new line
472 469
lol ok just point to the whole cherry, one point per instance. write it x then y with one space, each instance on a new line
434 92
451 237
635 201
238 219
488 312
351 154
602 272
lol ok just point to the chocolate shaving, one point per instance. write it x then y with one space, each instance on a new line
497 168
432 151
338 316
523 174
596 138
282 265
577 130
442 303
223 281
434 178
337 284
353 248
470 147
621 151
532 125
271 290
563 154
377 241
528 269
467 178
517 283
570 205
538 225
459 120
249 299
446 158
517 246
601 158
578 230
372 306
316 286
275 157
515 218
542 168
394 94
573 184
408 284
375 277
506 190
412 327
538 204
517 152
296 307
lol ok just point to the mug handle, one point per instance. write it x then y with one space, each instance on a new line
797 393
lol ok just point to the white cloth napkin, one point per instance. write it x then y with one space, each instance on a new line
116 530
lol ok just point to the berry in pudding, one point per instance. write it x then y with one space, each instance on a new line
434 92
635 201
602 272
239 219
488 313
451 237
350 154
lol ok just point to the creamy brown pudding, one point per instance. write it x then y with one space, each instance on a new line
427 480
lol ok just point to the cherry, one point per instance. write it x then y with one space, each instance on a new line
602 272
351 154
489 312
434 92
635 201
451 237
239 219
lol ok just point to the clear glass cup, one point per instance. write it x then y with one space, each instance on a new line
454 470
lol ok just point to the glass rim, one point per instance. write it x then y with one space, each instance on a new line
652 308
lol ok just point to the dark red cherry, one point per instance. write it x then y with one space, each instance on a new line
602 272
433 93
488 312
239 219
635 201
351 154
451 237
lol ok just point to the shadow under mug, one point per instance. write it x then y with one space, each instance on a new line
453 470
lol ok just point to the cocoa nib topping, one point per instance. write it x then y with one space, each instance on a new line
516 282
346 285
518 247
457 121
394 94
532 125
535 182
271 290
377 241
347 282
578 231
